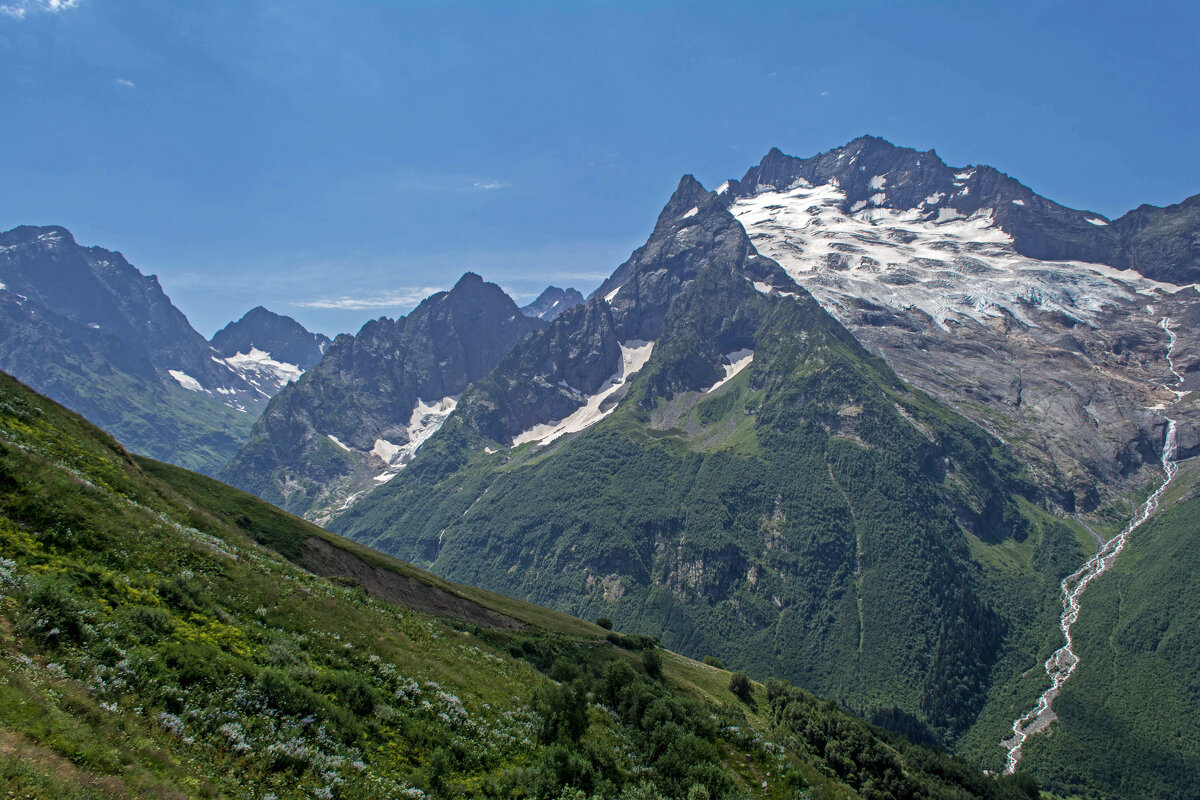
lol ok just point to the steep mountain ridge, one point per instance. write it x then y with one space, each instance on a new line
1160 243
872 172
98 288
356 418
761 488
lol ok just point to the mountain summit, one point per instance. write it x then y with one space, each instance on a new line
84 326
873 173
357 417
280 337
552 302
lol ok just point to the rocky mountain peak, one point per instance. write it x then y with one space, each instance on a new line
23 234
551 302
282 338
688 195
467 280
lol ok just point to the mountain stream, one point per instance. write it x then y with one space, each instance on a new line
1063 661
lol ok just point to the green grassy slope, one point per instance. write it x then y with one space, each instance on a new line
152 646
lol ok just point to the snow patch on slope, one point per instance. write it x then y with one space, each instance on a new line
738 361
186 381
257 367
634 355
954 270
425 421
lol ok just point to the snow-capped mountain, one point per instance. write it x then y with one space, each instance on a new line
970 285
552 302
727 467
269 350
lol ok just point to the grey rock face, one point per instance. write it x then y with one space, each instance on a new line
281 337
1160 243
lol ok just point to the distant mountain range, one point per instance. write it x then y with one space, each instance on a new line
552 302
84 326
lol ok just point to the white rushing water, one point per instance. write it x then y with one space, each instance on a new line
1062 662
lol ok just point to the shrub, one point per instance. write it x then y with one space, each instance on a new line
652 663
739 684
604 622
617 675
194 663
713 661
186 594
563 713
351 689
286 695
563 670
145 623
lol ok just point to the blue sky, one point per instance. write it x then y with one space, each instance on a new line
336 161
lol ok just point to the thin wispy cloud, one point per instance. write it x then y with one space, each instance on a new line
447 184
126 83
24 8
398 298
